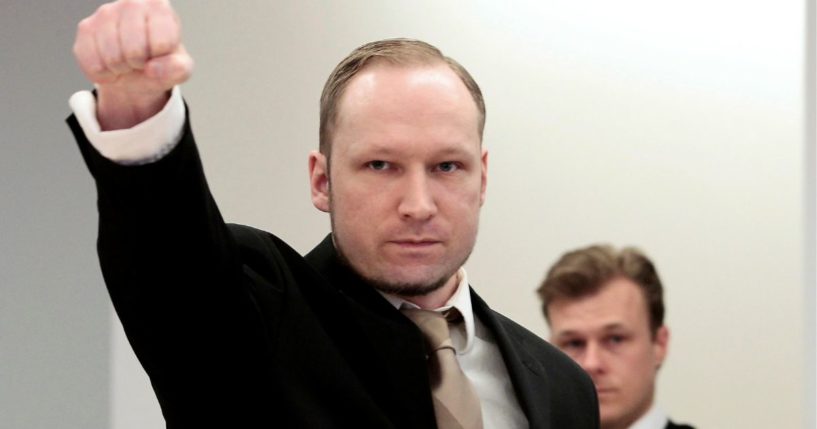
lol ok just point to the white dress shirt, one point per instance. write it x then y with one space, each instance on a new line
480 360
145 142
652 419
477 352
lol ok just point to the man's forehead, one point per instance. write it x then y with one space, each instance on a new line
379 78
387 102
619 302
576 328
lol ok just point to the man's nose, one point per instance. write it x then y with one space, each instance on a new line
592 359
417 201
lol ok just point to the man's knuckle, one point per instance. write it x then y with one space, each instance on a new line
135 53
137 5
115 61
85 26
161 46
105 10
111 58
95 68
77 50
189 65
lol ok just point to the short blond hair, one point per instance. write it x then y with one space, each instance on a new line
394 51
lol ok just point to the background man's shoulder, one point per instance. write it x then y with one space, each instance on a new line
671 425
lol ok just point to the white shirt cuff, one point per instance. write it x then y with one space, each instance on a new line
143 143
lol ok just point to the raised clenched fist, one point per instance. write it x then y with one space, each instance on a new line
132 51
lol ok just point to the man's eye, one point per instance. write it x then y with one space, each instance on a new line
573 344
615 339
448 166
378 165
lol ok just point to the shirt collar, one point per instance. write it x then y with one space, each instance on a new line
654 418
461 300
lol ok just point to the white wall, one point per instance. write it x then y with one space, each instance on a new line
810 212
675 126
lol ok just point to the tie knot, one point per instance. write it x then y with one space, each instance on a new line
433 325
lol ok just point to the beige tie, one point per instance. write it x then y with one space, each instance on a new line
456 404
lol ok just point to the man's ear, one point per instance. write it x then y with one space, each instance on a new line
660 345
319 180
484 186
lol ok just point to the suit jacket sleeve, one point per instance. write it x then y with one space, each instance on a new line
174 275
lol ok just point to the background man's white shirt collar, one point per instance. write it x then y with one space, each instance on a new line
652 419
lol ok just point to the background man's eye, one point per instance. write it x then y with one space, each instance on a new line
573 344
615 339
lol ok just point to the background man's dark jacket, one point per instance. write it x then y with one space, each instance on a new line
671 425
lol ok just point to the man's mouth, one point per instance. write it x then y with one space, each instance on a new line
418 243
604 390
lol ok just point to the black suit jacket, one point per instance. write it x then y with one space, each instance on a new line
236 329
671 425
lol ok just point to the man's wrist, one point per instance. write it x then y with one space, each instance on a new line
142 143
116 110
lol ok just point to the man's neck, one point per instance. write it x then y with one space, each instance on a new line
647 418
438 297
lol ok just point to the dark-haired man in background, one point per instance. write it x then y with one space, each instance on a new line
605 309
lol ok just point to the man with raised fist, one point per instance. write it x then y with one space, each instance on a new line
377 327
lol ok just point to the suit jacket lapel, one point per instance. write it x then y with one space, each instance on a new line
383 347
528 376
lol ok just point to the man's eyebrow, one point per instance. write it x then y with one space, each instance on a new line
567 333
453 151
610 327
385 149
375 149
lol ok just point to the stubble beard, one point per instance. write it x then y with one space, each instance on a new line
384 285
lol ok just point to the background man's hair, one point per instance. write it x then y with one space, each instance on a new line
583 272
394 51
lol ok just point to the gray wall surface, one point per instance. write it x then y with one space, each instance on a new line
54 311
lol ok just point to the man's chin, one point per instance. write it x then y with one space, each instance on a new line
401 281
408 289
